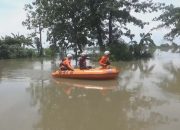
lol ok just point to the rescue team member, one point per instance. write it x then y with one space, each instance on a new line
66 63
104 60
82 61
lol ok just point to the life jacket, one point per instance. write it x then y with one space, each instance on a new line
61 63
65 63
104 60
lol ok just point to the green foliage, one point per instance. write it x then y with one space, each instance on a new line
170 19
120 51
35 21
147 40
77 23
30 53
14 47
49 52
123 51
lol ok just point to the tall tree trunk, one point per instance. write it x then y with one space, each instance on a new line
97 19
99 37
110 28
76 46
40 39
79 47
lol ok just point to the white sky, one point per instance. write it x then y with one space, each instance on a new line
12 14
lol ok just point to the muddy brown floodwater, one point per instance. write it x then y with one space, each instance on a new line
145 96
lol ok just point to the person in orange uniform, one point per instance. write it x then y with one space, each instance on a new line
104 61
66 63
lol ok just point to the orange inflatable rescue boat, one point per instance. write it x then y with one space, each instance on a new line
88 74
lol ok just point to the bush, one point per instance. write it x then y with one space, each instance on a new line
12 47
126 52
49 52
12 51
120 51
30 53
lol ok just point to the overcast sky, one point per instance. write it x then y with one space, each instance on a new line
12 14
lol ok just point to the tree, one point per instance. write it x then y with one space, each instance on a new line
14 46
35 21
23 41
170 18
77 23
146 40
67 23
113 17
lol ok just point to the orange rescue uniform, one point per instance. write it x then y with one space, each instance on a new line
66 64
104 61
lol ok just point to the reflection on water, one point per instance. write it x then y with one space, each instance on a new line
86 109
146 96
70 85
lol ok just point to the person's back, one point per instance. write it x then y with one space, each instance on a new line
82 61
66 63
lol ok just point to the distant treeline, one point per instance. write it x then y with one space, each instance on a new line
174 48
19 46
14 47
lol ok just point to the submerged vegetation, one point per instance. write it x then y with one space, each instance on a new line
123 51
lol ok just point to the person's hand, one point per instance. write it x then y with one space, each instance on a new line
108 67
104 65
108 63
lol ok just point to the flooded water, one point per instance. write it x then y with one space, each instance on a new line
146 96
